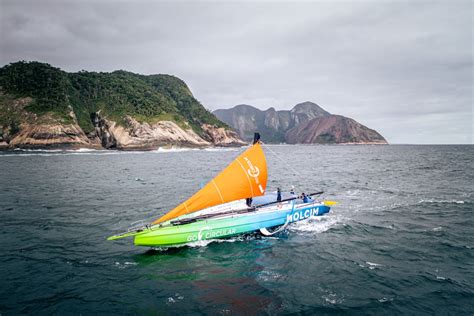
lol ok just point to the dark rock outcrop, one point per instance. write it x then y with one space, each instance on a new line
222 137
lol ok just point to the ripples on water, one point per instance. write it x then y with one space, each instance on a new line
399 241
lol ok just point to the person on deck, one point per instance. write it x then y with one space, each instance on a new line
249 201
304 197
278 195
292 191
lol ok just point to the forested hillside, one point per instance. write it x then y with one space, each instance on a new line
146 98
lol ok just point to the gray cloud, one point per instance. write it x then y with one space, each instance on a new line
402 68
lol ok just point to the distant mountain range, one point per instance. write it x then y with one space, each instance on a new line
305 123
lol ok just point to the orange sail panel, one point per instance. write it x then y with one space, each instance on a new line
245 177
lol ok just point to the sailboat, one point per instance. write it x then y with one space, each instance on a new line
234 202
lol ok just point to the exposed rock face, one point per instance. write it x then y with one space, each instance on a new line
245 119
272 124
143 136
221 136
50 135
305 123
28 130
333 129
48 132
4 137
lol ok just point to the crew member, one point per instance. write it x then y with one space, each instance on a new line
278 195
304 197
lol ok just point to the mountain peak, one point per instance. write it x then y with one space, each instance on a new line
306 122
309 108
245 107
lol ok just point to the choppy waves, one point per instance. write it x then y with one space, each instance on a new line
399 241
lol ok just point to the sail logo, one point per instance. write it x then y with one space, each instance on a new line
252 170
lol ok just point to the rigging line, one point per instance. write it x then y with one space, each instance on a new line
282 160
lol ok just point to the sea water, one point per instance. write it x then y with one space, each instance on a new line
400 240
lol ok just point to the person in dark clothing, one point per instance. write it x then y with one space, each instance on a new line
278 195
304 197
249 201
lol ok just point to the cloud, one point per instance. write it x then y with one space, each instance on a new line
402 68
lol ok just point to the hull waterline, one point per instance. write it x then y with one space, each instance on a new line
227 226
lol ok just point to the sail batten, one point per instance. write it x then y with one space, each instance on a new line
245 177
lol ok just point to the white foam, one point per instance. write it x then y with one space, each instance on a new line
56 153
200 243
185 149
174 299
125 264
84 150
38 150
172 149
204 243
332 298
441 201
266 276
90 151
130 263
222 149
316 224
372 265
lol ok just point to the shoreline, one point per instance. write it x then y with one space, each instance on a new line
102 149
65 147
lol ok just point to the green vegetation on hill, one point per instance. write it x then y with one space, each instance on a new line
146 98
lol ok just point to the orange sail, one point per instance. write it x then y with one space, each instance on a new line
245 177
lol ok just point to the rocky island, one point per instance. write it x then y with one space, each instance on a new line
305 123
44 107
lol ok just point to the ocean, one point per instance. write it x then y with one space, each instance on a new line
399 241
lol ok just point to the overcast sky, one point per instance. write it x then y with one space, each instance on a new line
404 68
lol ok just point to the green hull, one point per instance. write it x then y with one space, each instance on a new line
223 227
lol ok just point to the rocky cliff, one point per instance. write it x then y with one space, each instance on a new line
143 136
48 132
333 129
306 123
45 107
271 124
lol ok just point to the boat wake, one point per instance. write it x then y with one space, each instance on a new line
317 225
204 243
